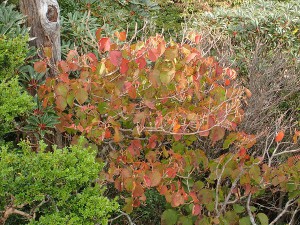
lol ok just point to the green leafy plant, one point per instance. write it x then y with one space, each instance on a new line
14 101
52 187
11 21
264 21
41 122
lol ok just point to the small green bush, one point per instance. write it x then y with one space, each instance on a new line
14 101
59 187
12 55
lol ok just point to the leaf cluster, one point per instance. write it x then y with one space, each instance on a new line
54 187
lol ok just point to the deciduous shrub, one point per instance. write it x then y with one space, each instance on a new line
152 106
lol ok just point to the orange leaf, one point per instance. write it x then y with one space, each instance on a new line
124 66
104 44
296 135
40 66
197 39
227 82
171 172
63 67
248 93
279 136
177 199
98 33
122 36
155 178
137 190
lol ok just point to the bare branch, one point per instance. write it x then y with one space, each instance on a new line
122 214
287 205
249 211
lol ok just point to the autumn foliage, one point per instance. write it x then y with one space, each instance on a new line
152 104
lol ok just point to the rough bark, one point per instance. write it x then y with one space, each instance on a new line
43 18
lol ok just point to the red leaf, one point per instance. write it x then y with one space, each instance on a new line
124 66
243 154
107 133
132 92
141 62
191 57
115 57
40 66
64 77
171 172
153 54
163 190
196 209
63 67
152 141
136 203
197 39
149 104
135 147
104 44
194 197
219 70
216 134
147 181
279 136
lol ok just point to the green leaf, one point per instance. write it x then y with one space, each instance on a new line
61 103
264 220
184 220
245 221
61 90
169 217
171 53
102 107
81 95
238 208
128 206
229 140
166 76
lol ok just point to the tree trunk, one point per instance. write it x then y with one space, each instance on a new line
43 18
